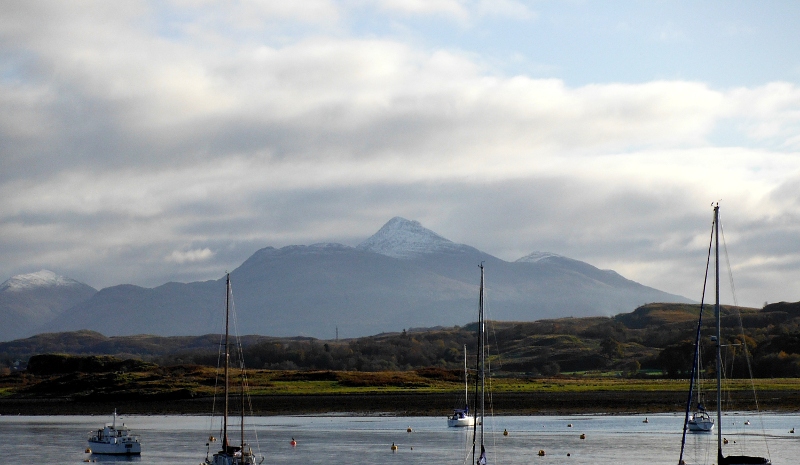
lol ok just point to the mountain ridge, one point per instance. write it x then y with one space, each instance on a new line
403 276
30 300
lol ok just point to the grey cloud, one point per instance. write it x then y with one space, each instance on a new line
120 147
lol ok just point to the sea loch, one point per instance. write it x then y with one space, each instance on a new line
609 439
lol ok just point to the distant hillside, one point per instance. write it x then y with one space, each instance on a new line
85 342
31 300
653 337
403 276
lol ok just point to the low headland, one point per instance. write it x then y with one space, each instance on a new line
101 384
635 362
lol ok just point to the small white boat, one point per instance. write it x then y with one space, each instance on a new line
700 421
111 440
461 416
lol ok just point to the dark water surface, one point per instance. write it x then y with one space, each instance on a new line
609 439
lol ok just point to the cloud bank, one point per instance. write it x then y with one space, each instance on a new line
145 142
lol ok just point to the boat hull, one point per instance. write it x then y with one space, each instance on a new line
120 448
228 459
701 425
743 460
461 422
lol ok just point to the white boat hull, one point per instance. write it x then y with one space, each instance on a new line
116 448
701 426
461 421
701 423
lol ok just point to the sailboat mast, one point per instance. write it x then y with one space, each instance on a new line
482 348
466 380
719 331
241 387
227 359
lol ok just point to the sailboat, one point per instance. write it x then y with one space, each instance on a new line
721 458
229 454
700 420
461 416
480 381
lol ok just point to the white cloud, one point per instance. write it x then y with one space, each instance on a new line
135 132
506 8
190 256
454 8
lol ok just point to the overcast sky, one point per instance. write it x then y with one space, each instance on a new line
145 142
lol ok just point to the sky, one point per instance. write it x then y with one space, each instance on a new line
146 142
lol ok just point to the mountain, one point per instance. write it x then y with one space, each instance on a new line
27 301
403 276
401 238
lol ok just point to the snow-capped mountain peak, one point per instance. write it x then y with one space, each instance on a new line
39 279
535 257
402 238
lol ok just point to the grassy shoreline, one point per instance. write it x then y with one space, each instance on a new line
433 392
410 404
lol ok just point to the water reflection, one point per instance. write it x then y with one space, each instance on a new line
114 458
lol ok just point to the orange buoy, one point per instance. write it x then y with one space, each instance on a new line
394 447
505 432
293 442
88 451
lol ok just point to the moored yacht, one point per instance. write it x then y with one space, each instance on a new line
461 416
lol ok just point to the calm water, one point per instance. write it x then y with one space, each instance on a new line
609 439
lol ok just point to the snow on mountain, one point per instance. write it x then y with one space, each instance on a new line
402 238
535 257
30 300
37 280
403 276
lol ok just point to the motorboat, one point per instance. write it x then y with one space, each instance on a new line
114 440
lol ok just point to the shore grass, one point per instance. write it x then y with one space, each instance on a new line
190 390
198 381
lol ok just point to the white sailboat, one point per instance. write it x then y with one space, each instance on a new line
241 454
698 421
721 458
701 421
461 417
113 440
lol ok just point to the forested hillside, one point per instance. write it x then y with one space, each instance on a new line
654 340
